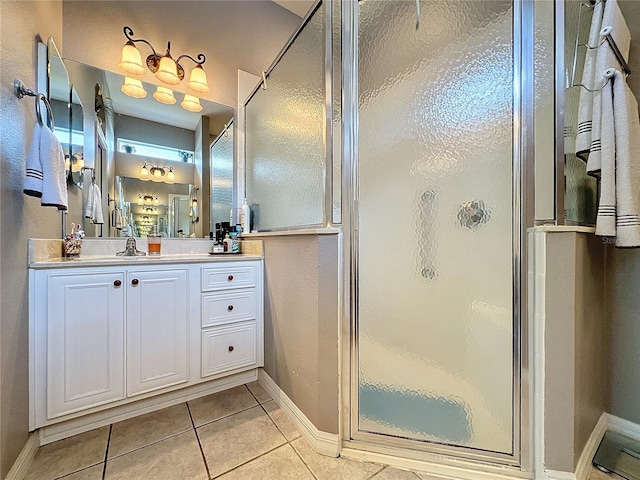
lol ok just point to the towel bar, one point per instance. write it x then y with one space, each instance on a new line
21 91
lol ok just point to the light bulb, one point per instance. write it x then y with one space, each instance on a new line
164 95
133 88
198 80
171 176
130 60
168 71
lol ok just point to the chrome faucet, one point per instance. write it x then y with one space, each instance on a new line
130 249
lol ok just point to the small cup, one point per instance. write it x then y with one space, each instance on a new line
72 247
154 244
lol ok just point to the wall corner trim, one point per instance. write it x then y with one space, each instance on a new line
23 462
322 442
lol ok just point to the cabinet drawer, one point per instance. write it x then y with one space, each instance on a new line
228 348
230 275
228 306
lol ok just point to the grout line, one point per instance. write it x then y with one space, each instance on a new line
384 467
148 444
302 459
249 461
195 430
106 453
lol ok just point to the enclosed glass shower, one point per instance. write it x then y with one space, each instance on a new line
419 163
436 344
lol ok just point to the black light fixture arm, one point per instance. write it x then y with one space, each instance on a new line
200 61
128 33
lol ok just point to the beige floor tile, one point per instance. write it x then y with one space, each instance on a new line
152 427
69 455
282 463
288 429
175 458
218 405
91 473
259 392
327 468
234 440
599 475
391 473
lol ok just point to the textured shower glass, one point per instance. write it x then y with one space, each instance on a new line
580 199
435 306
285 137
337 111
222 177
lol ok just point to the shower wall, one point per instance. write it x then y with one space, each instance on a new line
222 177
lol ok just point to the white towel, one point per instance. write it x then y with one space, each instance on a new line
54 182
33 177
588 141
93 210
619 208
585 107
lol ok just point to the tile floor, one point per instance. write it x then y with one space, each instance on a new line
238 434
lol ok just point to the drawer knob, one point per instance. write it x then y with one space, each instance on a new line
231 348
117 283
230 278
135 281
230 308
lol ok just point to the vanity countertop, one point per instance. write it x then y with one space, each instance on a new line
47 253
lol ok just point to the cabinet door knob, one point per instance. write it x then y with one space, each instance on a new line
135 281
117 283
231 348
230 308
230 278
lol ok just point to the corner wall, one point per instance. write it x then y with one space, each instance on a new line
21 217
301 322
576 354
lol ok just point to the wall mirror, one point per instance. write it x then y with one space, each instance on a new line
171 143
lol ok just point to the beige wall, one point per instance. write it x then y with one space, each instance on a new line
301 323
623 279
576 347
21 216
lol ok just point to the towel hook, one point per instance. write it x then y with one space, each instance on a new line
21 91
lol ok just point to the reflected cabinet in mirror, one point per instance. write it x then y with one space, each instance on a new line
129 145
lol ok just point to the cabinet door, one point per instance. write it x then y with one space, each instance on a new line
157 323
85 341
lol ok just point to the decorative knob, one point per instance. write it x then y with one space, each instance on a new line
230 278
230 308
231 348
117 283
135 281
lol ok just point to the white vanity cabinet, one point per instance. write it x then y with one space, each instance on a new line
106 337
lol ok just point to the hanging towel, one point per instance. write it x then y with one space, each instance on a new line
588 141
619 208
627 128
33 177
93 210
585 106
54 180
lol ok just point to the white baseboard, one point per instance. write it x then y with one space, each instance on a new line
322 442
23 462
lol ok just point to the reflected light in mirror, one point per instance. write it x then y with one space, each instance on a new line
164 95
198 80
131 61
171 177
133 88
191 103
144 172
168 71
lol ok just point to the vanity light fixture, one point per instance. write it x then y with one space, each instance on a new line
165 68
133 88
148 199
155 173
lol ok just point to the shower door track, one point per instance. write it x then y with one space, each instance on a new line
362 444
